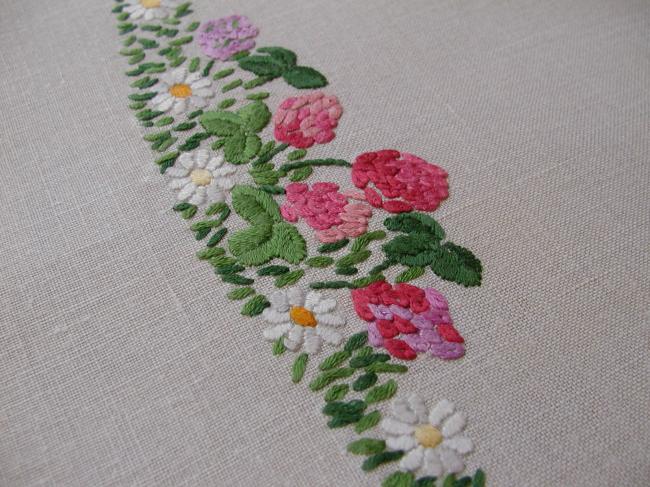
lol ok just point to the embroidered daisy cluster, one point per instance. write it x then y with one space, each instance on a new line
239 167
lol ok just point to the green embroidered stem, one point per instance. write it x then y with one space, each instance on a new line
263 159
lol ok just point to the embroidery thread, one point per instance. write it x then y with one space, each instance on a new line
214 154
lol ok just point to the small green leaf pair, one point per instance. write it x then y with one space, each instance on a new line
279 61
239 130
268 236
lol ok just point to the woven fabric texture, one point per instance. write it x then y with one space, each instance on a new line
121 361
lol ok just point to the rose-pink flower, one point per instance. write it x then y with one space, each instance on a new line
325 210
302 121
407 181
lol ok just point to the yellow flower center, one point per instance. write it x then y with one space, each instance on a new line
150 3
180 90
201 177
428 436
302 316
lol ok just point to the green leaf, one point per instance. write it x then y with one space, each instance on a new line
449 481
299 367
399 479
222 123
366 446
425 482
252 146
255 115
262 66
288 243
413 250
254 205
479 478
284 56
457 264
250 245
304 77
234 149
415 223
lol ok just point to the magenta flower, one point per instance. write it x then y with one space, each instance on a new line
221 38
302 121
407 320
407 181
326 210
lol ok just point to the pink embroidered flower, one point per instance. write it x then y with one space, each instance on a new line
326 210
407 320
221 38
408 181
304 120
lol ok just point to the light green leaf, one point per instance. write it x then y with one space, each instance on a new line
255 115
222 123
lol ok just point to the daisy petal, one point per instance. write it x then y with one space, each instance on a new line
454 425
272 315
179 182
329 335
276 332
325 306
432 463
330 319
402 411
412 460
461 444
451 461
186 191
199 196
418 407
441 410
404 442
312 299
279 301
313 344
395 427
296 296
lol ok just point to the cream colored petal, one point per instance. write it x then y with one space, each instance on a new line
178 75
412 460
452 462
313 344
402 442
396 427
198 102
215 193
402 411
178 183
165 104
296 334
296 296
177 172
186 160
279 301
225 183
201 157
432 464
325 305
186 191
453 425
417 405
202 83
461 444
180 106
275 332
199 196
312 299
330 319
329 335
274 316
440 411
214 163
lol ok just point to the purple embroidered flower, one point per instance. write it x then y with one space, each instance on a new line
224 37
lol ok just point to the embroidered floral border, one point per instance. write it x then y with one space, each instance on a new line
205 116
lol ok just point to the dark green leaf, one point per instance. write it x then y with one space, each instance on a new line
284 56
262 66
303 77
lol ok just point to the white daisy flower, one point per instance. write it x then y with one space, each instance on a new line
303 321
432 440
199 178
150 9
179 91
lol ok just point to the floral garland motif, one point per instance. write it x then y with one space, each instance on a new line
217 162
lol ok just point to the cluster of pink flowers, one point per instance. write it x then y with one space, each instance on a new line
326 210
407 320
301 121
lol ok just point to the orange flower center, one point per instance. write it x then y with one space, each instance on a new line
180 90
428 436
150 3
302 316
201 177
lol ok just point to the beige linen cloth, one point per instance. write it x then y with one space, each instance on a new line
121 361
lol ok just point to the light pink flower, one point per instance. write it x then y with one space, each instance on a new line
326 210
302 121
